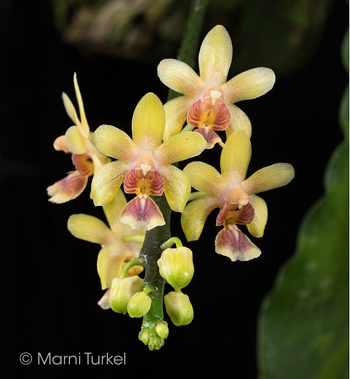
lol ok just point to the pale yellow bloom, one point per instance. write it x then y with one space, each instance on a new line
209 99
144 164
86 158
234 195
114 252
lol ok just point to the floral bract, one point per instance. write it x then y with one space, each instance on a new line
86 158
144 164
234 195
115 251
208 101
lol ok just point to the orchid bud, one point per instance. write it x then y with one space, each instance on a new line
144 336
176 266
121 292
162 329
179 308
139 304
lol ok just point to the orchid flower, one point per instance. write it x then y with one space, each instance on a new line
234 195
144 164
86 158
208 101
116 250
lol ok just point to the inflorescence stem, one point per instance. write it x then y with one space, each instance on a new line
151 250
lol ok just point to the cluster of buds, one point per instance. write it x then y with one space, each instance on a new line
145 165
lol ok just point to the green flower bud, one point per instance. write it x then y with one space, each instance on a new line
176 266
162 329
144 336
179 308
121 292
139 305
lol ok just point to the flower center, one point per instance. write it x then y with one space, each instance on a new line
236 199
210 110
144 179
145 168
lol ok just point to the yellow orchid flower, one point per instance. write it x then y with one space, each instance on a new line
234 195
144 164
115 251
208 101
86 158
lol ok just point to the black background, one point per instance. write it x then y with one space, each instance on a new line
51 286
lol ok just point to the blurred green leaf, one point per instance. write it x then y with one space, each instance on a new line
303 327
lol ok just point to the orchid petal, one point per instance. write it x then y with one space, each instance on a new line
112 211
205 178
235 159
90 228
115 143
234 244
177 187
239 120
148 122
179 148
104 301
75 141
210 137
83 164
248 85
61 144
175 115
267 178
98 158
215 56
257 226
68 188
106 182
69 107
109 263
180 77
85 130
195 214
141 213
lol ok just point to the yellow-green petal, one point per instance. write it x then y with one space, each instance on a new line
257 226
177 187
109 263
112 211
115 143
180 77
84 124
249 85
176 115
60 144
75 141
148 122
179 148
69 107
236 157
106 182
239 120
215 57
195 214
89 228
205 178
267 178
